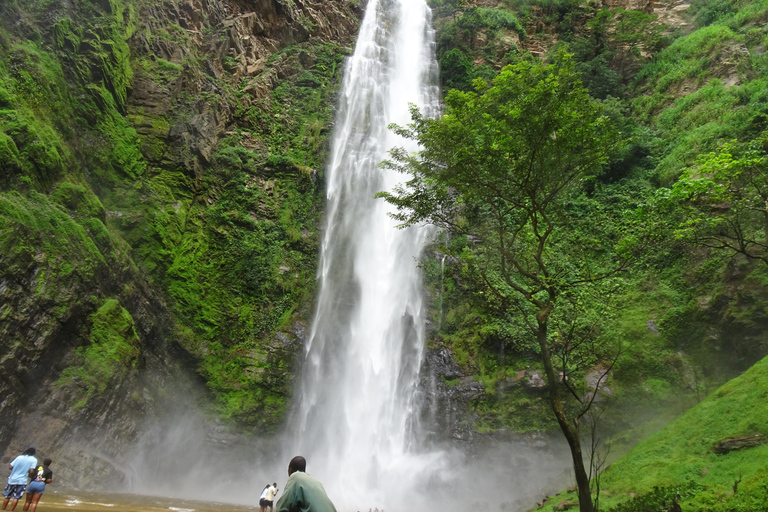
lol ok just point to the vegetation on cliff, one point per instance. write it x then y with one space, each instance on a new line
500 168
676 310
150 152
690 102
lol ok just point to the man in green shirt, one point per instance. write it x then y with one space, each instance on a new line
303 493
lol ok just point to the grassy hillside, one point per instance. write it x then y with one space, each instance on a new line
678 462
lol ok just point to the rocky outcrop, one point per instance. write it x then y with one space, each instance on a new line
232 43
446 398
730 444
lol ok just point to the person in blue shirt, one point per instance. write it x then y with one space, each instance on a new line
17 481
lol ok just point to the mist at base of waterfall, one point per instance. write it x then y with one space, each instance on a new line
355 407
186 458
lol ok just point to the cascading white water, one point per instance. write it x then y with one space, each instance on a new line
356 402
357 399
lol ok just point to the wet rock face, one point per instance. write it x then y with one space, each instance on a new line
47 320
237 39
446 397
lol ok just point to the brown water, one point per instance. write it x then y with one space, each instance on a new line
76 501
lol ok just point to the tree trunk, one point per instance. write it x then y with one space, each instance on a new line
765 224
570 430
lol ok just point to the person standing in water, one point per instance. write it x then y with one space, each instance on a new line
263 499
17 481
43 475
270 499
303 493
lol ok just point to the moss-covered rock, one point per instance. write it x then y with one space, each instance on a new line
148 226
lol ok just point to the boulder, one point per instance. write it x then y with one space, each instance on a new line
730 444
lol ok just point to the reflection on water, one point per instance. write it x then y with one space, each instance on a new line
103 502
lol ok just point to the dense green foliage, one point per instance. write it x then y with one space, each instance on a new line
458 44
690 314
675 106
722 201
502 167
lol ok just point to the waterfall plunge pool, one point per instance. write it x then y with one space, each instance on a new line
83 501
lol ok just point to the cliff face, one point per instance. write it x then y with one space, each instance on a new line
694 316
160 190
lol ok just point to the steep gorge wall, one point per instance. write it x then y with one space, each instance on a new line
690 318
161 186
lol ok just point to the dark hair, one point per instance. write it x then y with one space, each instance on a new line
298 463
29 451
47 462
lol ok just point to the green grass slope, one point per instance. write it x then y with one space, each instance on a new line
678 462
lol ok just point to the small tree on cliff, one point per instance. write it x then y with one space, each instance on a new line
722 201
500 167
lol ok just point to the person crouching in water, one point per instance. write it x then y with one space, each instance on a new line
42 475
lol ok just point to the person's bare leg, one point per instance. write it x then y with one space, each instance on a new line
14 501
35 498
5 502
27 501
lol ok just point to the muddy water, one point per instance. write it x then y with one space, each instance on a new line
57 500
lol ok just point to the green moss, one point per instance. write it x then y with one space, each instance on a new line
247 384
34 220
159 70
123 154
516 409
32 120
110 356
295 120
6 99
79 199
30 148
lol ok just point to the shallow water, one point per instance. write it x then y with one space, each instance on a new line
56 499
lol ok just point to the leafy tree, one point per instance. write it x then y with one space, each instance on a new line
446 7
613 47
458 71
722 201
501 167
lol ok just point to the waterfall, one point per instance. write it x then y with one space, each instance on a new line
356 402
